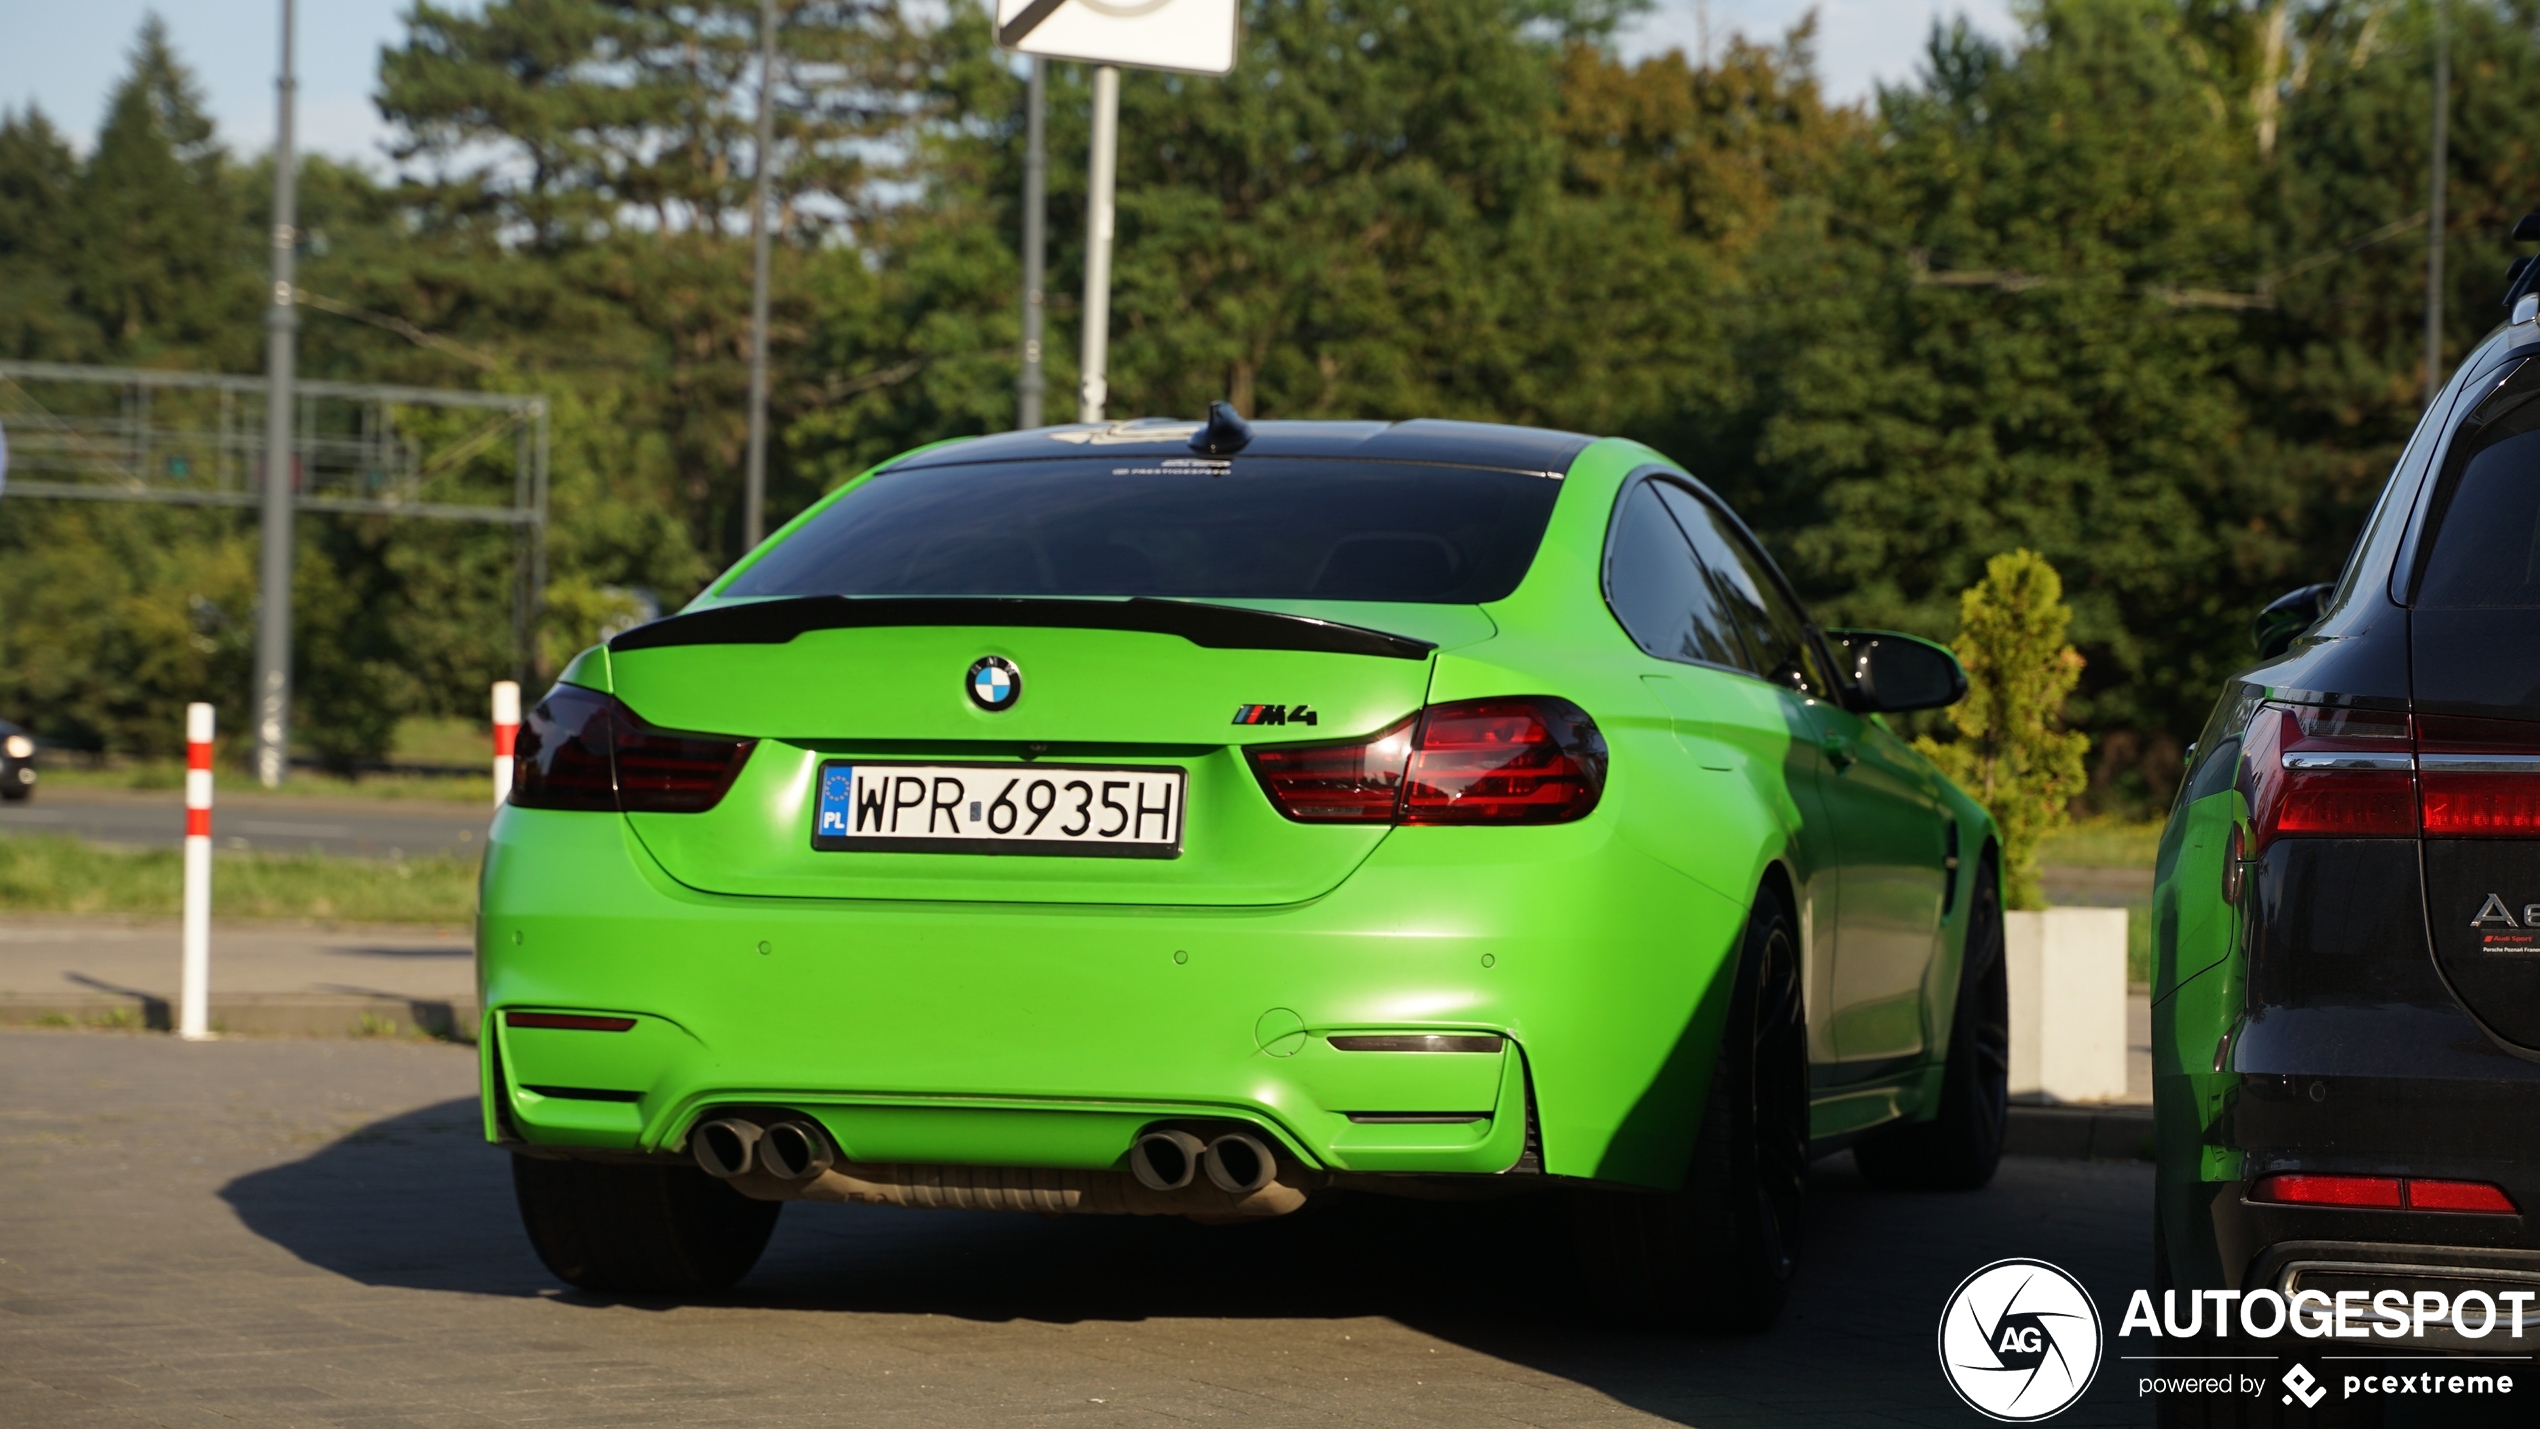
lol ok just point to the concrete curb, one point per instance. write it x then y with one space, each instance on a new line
2080 1133
271 1014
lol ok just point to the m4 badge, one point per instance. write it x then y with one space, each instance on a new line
1275 714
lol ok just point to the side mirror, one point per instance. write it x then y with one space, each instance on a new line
1895 672
2287 617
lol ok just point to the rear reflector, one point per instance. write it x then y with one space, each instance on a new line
2370 1192
2383 1193
1519 760
2476 1196
568 1021
1415 1042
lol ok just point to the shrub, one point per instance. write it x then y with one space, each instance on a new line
2012 752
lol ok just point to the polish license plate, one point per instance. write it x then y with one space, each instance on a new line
999 808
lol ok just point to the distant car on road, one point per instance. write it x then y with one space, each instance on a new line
1183 819
17 762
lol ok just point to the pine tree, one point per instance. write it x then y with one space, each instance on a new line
160 260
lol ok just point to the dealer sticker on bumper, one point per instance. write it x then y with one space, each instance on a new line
1000 808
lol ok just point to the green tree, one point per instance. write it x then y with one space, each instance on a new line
159 257
38 181
2011 751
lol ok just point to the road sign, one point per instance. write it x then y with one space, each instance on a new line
1197 36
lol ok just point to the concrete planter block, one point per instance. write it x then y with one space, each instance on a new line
2067 975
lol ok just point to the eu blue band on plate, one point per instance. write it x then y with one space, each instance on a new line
837 799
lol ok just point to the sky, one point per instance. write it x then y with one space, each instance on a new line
65 58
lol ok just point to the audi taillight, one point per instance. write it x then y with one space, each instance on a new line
2481 777
580 749
2330 773
1517 760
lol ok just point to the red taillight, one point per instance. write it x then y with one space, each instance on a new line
2322 773
2476 1197
1358 783
2481 777
1521 760
2379 1193
580 749
2383 1193
661 771
561 757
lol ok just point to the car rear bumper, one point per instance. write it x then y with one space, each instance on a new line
2396 1090
1048 1035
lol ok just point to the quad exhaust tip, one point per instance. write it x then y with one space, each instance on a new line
1235 1162
724 1148
789 1150
1166 1160
1239 1164
795 1151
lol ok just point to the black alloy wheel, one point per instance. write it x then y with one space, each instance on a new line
1961 1146
639 1229
1719 1254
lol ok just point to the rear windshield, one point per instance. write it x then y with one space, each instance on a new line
2486 510
1266 528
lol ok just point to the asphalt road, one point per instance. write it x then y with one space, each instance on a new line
311 1232
382 828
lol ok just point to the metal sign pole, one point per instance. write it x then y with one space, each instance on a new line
1100 181
1029 388
754 483
273 615
2438 166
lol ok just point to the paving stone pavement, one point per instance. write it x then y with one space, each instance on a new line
313 1233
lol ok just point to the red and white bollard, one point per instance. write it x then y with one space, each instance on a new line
506 730
194 996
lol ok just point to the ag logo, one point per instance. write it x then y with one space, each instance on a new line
994 683
2019 1340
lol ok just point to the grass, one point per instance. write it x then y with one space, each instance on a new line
458 742
2114 843
46 873
2097 843
169 774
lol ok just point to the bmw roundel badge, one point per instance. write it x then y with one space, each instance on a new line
994 683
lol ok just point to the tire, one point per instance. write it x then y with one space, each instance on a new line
1719 1254
14 792
1960 1147
637 1229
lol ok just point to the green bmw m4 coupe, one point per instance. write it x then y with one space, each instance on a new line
1198 819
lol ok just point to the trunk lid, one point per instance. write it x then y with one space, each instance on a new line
2475 601
1126 684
